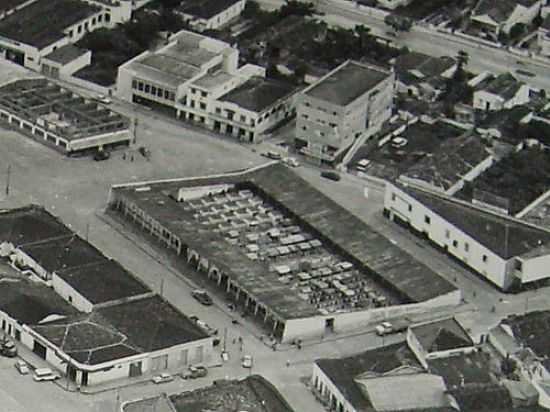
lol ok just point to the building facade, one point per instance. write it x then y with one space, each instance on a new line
332 113
210 14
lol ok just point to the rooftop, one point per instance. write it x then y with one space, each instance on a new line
349 238
103 281
72 116
346 83
531 331
30 302
487 228
28 225
343 372
62 253
253 393
450 162
423 64
40 23
10 4
442 335
500 10
507 122
205 9
125 329
258 94
66 54
504 85
421 141
463 369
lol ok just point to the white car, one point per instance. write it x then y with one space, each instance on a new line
384 328
247 361
45 374
162 378
292 162
22 367
103 99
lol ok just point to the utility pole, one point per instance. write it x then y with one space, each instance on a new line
162 287
87 229
224 338
8 180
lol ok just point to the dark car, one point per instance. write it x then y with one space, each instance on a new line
101 155
8 348
202 297
331 175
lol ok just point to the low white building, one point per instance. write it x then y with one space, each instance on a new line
393 4
51 24
210 14
501 92
543 36
507 252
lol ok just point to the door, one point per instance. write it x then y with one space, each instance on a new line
135 369
84 378
39 349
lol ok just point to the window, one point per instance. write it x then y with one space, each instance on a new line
204 94
447 234
393 197
140 86
79 30
166 94
218 110
147 88
192 103
107 17
93 20
153 90
519 265
455 243
172 96
100 18
86 26
410 208
304 128
243 118
466 246
203 106
134 84
485 259
159 92
427 219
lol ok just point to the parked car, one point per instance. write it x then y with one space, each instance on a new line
247 361
8 348
162 378
272 155
363 164
194 372
22 367
45 374
103 99
202 296
328 174
101 155
387 328
292 162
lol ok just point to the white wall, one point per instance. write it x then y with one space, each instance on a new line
66 291
481 98
535 268
478 257
327 388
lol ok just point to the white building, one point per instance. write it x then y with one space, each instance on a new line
495 16
353 99
507 252
543 36
501 92
393 4
88 318
198 80
210 14
38 28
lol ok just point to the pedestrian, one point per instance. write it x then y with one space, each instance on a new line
274 346
132 158
124 156
234 341
287 363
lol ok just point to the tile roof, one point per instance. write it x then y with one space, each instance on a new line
504 85
442 335
258 94
500 10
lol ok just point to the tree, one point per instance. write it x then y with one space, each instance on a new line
363 32
462 59
517 30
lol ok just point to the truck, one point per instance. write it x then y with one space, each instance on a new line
388 328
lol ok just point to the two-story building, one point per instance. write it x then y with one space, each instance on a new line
197 79
507 252
352 99
36 29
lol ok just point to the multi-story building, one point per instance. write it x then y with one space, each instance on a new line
197 79
35 29
352 99
210 14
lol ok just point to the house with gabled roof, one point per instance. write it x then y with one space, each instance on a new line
501 92
495 16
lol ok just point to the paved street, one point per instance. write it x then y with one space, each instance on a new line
427 41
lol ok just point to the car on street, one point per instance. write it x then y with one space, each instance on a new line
202 296
329 174
101 155
292 162
247 361
8 348
363 164
162 378
388 328
22 367
194 372
272 155
103 99
45 374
